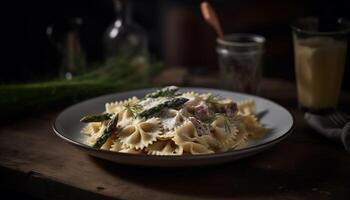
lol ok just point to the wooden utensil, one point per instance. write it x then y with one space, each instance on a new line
211 18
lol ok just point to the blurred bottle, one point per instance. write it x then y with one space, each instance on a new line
124 37
65 37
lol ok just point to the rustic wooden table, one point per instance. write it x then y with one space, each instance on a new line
304 166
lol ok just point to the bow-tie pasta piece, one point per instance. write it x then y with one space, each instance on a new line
247 107
212 143
91 128
93 137
109 142
167 135
252 126
196 148
125 117
117 106
187 137
113 107
224 131
164 147
185 133
131 150
116 146
241 138
193 100
140 134
170 119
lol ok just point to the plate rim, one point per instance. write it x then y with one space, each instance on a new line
174 157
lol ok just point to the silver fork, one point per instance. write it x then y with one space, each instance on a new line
339 119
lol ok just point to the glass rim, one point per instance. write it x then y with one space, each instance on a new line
226 52
299 29
255 40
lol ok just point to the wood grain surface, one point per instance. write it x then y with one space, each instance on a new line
303 166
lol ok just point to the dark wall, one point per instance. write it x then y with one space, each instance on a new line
177 33
188 41
32 55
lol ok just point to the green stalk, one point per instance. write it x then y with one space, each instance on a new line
96 118
169 91
174 103
110 128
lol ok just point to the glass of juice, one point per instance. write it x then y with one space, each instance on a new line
319 55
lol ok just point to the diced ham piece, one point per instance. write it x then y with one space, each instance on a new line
231 109
227 107
201 128
201 111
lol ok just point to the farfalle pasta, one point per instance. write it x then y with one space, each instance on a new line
164 147
247 107
224 132
169 123
139 134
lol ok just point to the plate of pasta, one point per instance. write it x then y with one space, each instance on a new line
174 126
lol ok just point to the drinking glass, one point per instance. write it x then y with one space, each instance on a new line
65 37
240 62
319 55
124 37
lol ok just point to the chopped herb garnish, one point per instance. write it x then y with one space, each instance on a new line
210 119
227 125
214 99
227 121
134 109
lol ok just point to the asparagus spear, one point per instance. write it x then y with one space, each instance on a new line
174 103
110 128
96 118
164 92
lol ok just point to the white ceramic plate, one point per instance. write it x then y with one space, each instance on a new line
67 126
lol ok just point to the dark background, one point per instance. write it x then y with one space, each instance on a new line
176 31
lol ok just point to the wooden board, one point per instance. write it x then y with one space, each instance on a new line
304 166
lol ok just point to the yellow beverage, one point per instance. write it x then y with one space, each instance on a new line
319 66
